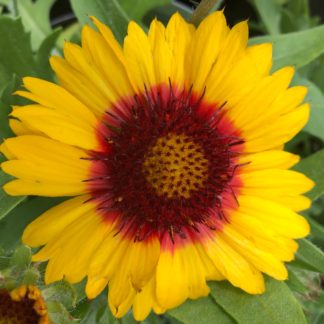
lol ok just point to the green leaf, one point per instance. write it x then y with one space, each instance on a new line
319 318
8 99
35 18
8 96
12 226
43 54
109 12
164 13
5 130
312 166
62 292
276 306
297 49
295 16
202 311
21 257
270 14
7 203
97 312
4 2
58 313
317 230
311 255
68 34
317 73
316 99
137 9
294 283
16 55
31 276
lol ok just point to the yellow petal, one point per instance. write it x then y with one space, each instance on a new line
24 188
234 267
108 63
262 260
232 49
204 49
275 216
178 44
274 182
20 128
180 274
121 295
95 286
55 220
162 54
277 132
138 56
257 108
53 96
266 238
76 57
35 156
80 86
69 130
296 203
267 160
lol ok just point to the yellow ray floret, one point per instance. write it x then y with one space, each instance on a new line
172 149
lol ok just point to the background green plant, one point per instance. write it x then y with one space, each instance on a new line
27 39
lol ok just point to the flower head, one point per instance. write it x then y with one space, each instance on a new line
173 149
23 305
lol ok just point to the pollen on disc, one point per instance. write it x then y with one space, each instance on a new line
175 166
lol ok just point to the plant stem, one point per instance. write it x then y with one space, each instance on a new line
202 10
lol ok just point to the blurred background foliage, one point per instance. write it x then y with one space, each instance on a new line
30 31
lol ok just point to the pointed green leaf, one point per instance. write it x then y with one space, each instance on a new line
164 13
58 313
61 291
295 16
202 311
44 53
31 276
317 230
69 34
311 255
137 9
7 203
270 14
96 311
316 100
5 130
109 12
21 257
294 283
312 166
276 306
297 49
8 99
12 226
16 55
35 17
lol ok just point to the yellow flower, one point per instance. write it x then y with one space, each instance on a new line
23 305
173 149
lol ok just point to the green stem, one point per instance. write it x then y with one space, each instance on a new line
202 10
15 8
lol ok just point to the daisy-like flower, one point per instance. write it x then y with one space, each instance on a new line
173 149
23 305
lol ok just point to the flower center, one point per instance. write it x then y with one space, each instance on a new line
175 166
166 165
22 306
